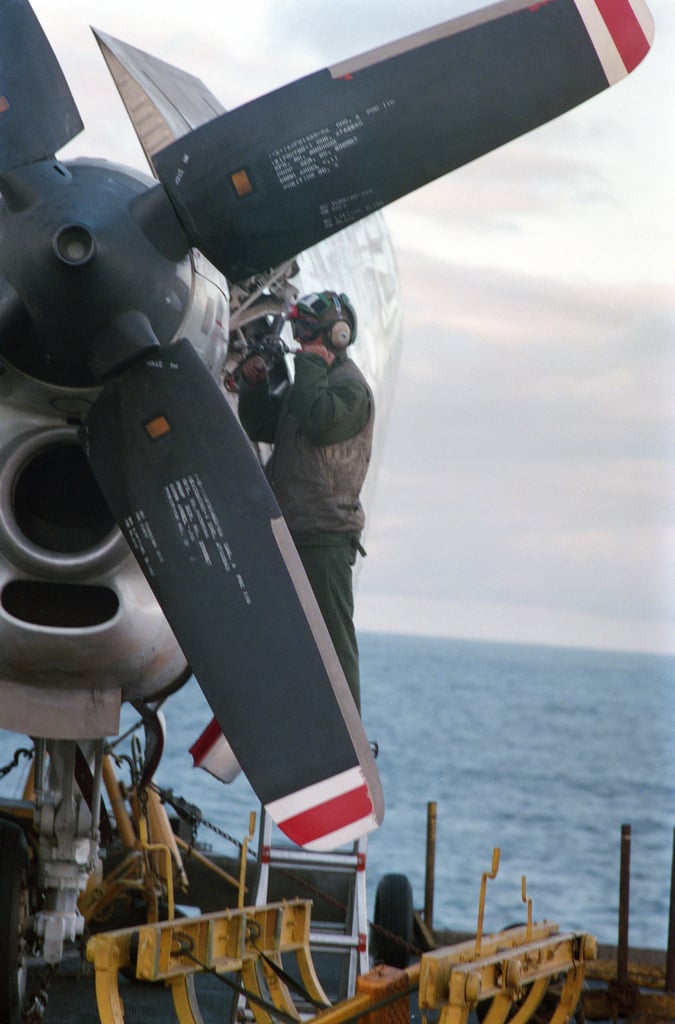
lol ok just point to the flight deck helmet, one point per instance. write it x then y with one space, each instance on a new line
326 314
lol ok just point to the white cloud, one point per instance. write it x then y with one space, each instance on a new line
510 623
530 462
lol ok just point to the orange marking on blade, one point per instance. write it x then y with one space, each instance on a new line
158 427
242 183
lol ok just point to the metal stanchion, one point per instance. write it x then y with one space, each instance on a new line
670 953
429 881
624 909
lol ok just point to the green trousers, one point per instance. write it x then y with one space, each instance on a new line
329 570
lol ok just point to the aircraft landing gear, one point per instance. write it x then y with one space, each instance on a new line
14 900
394 921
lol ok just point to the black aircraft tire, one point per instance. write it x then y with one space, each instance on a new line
14 868
393 921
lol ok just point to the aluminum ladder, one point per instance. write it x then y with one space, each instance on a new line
336 881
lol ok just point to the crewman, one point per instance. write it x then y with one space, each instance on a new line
322 430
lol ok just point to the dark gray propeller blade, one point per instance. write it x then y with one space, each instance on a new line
271 178
183 483
37 111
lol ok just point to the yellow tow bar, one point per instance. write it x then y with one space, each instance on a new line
249 942
511 975
513 971
510 971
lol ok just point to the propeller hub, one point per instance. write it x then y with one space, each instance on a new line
74 244
82 247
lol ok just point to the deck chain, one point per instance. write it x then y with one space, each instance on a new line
192 814
18 754
36 1009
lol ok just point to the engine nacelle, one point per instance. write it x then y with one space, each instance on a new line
79 627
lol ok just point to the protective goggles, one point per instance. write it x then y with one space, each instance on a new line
304 326
309 317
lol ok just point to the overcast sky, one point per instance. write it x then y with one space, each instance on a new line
528 487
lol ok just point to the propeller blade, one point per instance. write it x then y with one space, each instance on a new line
37 111
163 102
188 492
271 178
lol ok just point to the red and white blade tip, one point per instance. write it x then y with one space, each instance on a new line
213 753
622 32
327 814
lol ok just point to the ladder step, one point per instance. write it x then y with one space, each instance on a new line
334 940
312 859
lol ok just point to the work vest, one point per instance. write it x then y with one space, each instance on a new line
318 486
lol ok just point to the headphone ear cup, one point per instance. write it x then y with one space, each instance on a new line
340 334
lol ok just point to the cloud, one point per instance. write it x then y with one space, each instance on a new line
509 623
329 32
531 457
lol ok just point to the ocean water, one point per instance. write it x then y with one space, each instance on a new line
542 752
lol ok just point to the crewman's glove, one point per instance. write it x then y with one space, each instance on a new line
317 349
254 371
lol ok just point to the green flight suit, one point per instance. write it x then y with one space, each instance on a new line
321 428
